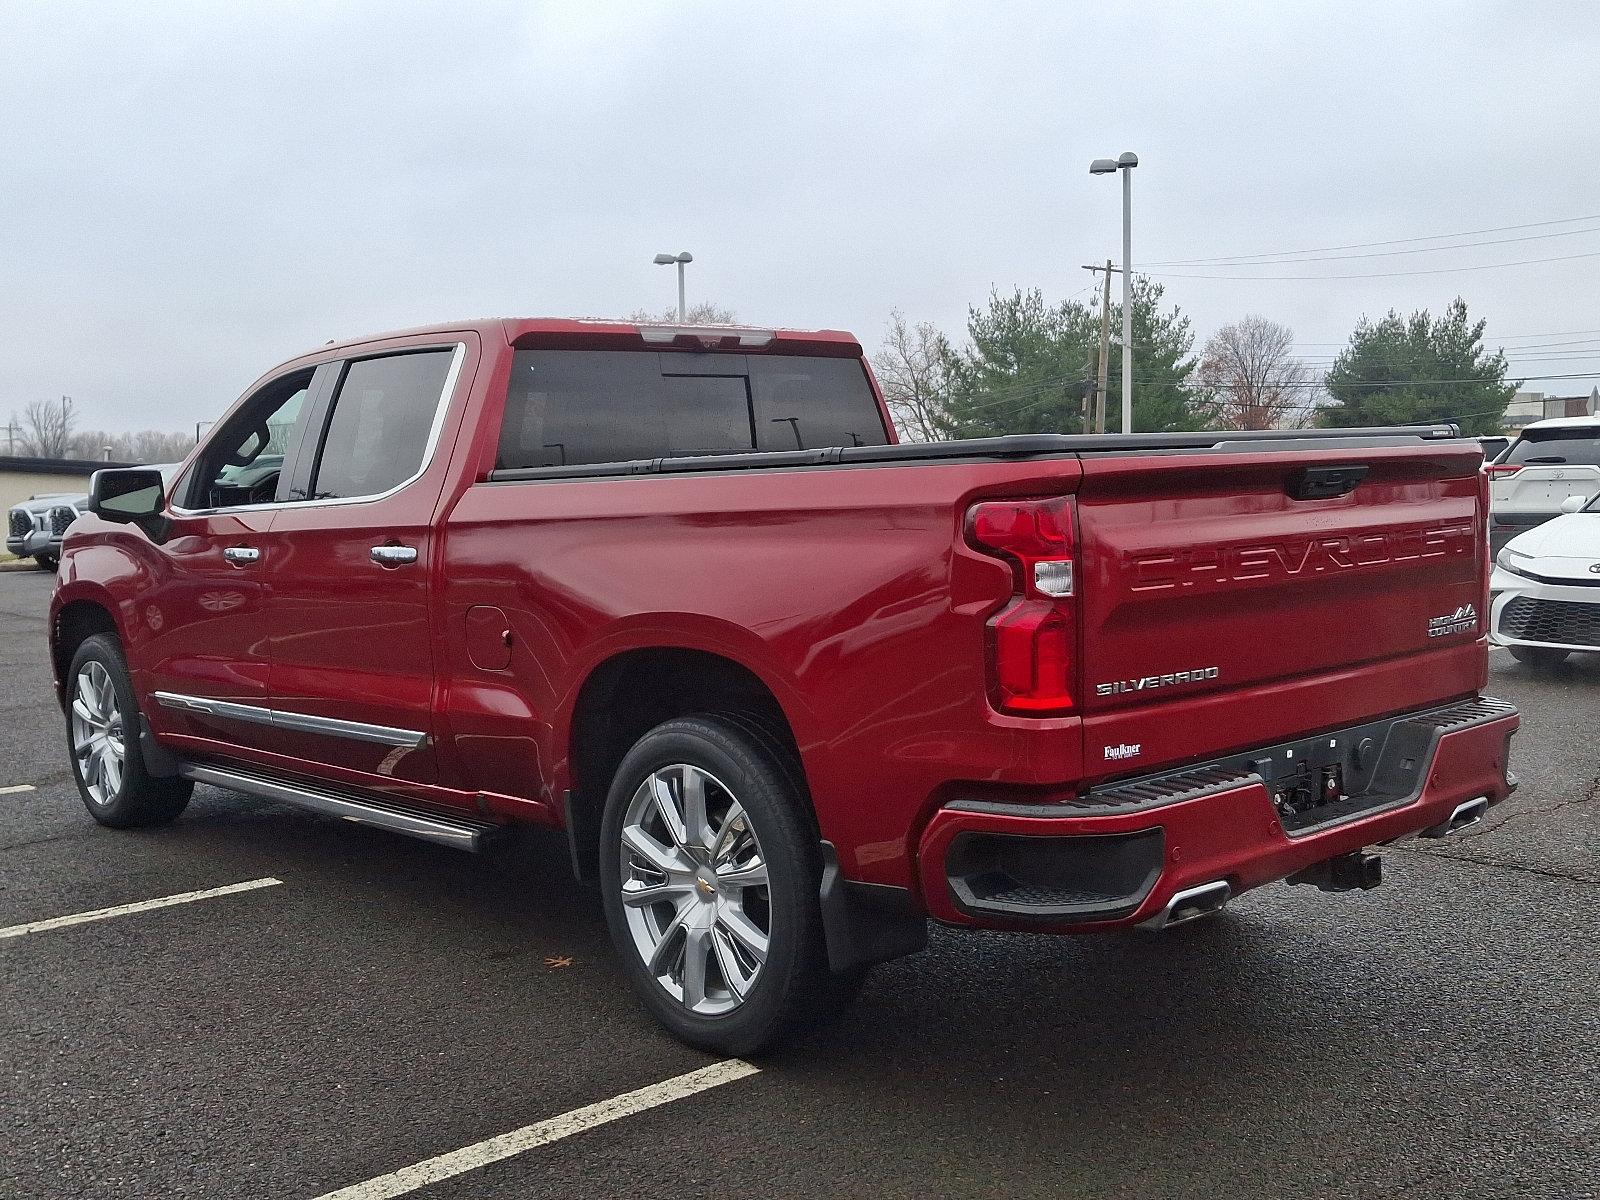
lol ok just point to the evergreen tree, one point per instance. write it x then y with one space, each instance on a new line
1028 367
1416 369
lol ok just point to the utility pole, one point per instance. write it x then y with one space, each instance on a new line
1098 423
1105 354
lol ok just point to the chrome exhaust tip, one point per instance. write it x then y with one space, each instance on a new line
1465 815
1190 905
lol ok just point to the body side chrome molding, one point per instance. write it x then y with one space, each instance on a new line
463 835
277 718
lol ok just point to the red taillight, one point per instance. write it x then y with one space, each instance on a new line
1499 470
1033 638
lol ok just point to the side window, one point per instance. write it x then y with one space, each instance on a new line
382 420
243 462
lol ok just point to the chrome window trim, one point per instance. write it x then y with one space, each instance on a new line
277 718
440 411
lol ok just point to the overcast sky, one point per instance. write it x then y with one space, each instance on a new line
191 193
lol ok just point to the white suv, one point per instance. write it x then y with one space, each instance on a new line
1549 462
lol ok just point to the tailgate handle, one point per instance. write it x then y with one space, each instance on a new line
1320 483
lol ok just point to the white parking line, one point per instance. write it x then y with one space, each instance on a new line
529 1137
122 910
16 787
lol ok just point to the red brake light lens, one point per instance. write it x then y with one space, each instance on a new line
1033 638
1497 470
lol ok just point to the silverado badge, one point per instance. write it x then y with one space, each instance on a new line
1147 683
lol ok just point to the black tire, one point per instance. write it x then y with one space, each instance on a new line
794 986
1540 658
47 562
139 799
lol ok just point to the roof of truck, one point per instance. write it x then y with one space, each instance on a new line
588 333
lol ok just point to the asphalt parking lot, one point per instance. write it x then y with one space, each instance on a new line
387 1001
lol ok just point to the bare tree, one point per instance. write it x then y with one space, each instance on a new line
145 446
913 370
704 313
47 428
1258 381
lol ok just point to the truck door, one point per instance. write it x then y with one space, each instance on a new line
352 675
204 646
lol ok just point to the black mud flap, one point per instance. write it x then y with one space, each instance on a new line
867 923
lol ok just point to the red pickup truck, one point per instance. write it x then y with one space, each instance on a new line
789 687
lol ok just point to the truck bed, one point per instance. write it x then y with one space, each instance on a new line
1023 446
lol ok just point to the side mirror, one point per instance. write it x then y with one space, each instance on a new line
1574 504
131 496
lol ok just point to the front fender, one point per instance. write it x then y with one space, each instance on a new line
109 567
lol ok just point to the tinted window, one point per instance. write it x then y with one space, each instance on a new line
243 461
1580 447
567 407
705 414
382 418
807 403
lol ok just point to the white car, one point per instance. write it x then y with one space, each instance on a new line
1550 462
1544 595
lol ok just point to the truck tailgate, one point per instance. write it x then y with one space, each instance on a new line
1230 597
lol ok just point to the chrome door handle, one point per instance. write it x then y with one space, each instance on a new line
394 556
239 555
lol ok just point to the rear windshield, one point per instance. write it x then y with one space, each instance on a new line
567 407
1580 447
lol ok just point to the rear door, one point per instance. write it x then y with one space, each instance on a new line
352 677
1229 599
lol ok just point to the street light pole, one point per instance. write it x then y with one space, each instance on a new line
681 258
1125 163
1127 297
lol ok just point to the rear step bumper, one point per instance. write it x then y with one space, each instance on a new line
1166 848
460 832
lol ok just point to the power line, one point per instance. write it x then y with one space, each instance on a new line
1512 359
1434 237
1523 262
1531 237
1503 337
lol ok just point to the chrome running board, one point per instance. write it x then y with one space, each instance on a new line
461 832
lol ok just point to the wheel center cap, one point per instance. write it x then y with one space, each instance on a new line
705 886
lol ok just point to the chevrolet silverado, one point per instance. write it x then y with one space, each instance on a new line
790 688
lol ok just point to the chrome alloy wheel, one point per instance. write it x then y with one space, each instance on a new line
97 737
694 889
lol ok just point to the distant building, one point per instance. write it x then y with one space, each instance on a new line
1527 407
21 477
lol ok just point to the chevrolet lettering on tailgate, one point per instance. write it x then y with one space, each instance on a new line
1211 568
